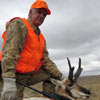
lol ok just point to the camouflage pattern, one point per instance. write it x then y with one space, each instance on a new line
31 79
0 69
1 85
15 39
15 44
1 82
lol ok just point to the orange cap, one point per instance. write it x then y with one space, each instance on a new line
41 4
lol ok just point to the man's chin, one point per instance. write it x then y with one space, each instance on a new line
38 24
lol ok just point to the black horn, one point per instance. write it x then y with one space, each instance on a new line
78 72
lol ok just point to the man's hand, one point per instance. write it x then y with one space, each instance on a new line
9 89
60 76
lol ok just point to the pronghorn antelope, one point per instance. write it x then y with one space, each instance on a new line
69 87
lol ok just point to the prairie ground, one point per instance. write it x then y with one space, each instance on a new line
93 84
90 82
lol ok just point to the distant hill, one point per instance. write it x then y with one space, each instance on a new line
94 79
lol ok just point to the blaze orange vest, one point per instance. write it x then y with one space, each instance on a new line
31 55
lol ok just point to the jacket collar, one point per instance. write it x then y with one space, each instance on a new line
35 28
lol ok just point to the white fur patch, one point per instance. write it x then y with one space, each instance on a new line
37 98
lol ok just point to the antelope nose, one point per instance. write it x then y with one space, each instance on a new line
87 97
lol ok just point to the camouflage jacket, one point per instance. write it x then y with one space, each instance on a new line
15 39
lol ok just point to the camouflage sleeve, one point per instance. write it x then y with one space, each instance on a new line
15 38
49 65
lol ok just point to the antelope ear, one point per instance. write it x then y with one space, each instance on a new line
55 82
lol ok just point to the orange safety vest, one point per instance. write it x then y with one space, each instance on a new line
31 55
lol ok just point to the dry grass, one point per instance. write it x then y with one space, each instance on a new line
90 82
93 84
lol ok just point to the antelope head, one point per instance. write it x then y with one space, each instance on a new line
68 87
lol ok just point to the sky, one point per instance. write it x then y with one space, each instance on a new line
72 30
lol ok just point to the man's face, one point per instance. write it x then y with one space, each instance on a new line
37 16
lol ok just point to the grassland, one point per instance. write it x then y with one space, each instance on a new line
93 84
90 82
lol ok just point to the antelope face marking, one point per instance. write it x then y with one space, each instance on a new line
77 91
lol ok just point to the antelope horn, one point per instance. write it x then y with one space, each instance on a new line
79 70
71 69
